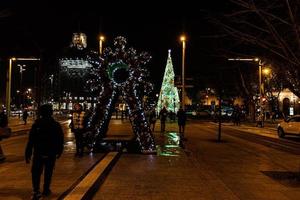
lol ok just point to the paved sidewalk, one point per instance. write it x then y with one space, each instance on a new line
168 175
17 124
205 169
15 176
18 127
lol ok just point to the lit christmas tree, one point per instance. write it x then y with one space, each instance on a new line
168 96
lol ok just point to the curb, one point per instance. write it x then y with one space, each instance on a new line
89 184
245 126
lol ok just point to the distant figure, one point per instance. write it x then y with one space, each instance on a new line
117 110
126 112
273 117
152 119
163 117
259 120
3 118
181 115
237 115
25 116
46 141
3 124
78 128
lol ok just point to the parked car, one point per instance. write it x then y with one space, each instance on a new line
289 126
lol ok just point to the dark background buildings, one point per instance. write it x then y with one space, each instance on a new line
44 28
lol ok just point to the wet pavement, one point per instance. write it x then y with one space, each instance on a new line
168 144
235 168
15 176
206 169
167 175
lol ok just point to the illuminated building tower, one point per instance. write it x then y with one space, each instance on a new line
168 96
75 67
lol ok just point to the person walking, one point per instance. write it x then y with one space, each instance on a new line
163 117
237 115
78 128
3 124
46 143
181 115
25 116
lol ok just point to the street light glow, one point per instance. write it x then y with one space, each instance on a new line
266 71
182 38
102 38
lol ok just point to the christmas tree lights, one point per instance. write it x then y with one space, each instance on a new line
168 96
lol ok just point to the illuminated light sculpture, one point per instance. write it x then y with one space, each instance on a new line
168 96
120 72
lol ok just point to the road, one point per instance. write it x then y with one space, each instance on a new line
250 165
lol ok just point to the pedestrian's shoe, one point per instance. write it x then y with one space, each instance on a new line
2 158
36 196
46 192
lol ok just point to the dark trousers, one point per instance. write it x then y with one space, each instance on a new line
79 140
39 164
181 128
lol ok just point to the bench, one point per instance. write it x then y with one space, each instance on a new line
118 141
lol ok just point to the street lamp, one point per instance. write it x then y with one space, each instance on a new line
101 40
8 80
259 76
51 77
22 68
183 40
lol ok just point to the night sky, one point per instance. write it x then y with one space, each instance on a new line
45 27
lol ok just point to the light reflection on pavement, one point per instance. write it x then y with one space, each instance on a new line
69 146
168 145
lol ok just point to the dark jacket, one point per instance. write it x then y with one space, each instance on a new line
46 138
163 114
181 117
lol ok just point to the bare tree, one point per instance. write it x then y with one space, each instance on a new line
269 29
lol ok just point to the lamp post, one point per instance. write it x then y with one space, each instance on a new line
8 86
51 77
22 68
101 40
8 80
183 40
259 76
